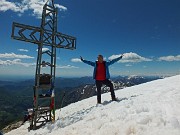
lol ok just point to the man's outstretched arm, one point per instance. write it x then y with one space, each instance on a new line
87 62
115 60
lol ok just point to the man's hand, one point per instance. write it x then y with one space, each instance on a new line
81 58
121 55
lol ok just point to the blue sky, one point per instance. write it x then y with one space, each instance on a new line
147 32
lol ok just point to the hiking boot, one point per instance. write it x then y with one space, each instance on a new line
114 99
98 102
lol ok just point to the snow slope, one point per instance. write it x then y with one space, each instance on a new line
151 108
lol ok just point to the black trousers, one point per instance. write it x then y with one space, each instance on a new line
99 85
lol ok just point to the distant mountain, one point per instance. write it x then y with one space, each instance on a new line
134 80
73 82
60 82
2 83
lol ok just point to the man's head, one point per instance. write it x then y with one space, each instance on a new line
100 58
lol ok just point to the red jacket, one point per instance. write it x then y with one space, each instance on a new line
100 71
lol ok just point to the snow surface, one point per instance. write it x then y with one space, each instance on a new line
151 108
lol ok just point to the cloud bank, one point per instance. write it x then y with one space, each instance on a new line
13 55
16 62
36 6
169 58
23 50
130 58
76 60
66 67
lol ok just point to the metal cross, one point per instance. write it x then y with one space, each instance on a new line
46 35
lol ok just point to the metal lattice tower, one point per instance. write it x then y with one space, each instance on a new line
46 35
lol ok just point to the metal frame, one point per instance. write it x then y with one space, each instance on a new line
46 35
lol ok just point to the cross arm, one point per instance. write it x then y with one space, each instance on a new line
25 33
32 34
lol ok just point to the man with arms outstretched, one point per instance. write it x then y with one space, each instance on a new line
101 75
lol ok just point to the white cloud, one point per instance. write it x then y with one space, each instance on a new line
169 58
13 55
44 49
23 50
6 5
128 65
76 60
114 57
104 58
62 8
35 5
130 57
66 67
16 62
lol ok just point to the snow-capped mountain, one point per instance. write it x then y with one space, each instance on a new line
152 108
